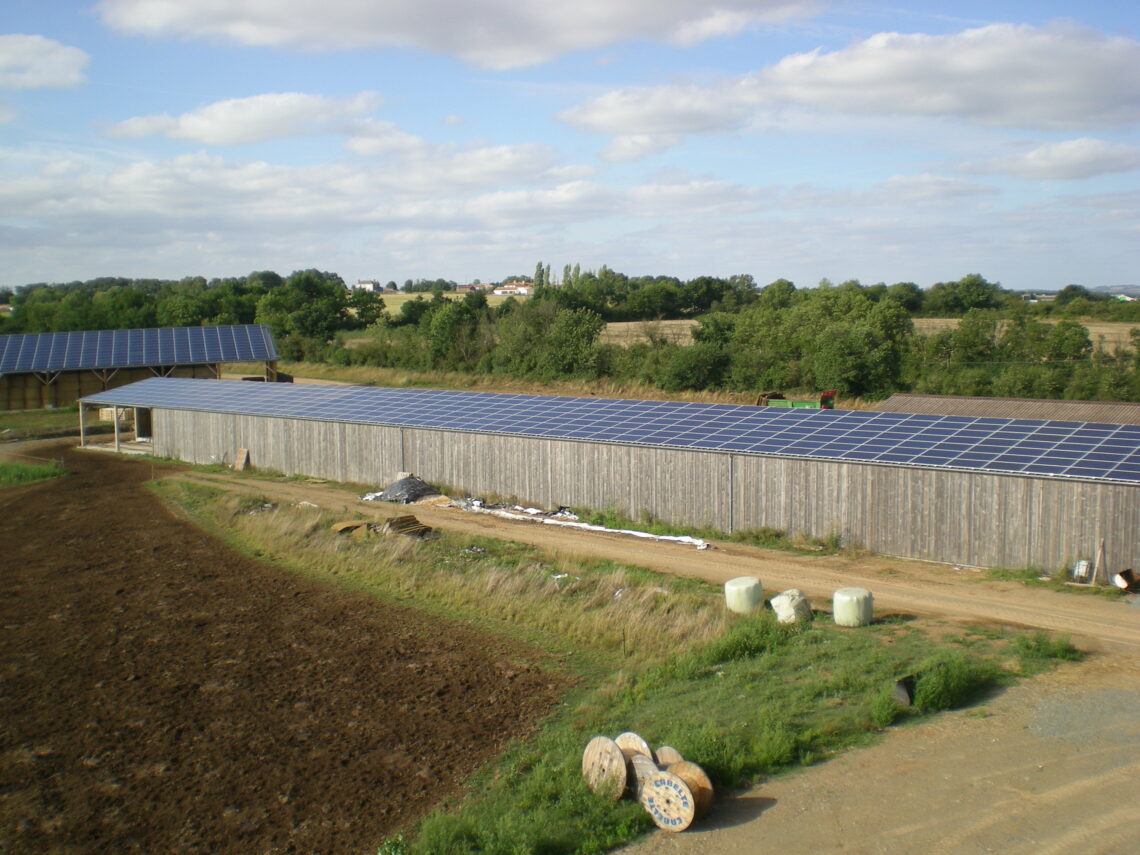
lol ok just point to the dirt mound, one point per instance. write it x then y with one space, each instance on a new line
163 693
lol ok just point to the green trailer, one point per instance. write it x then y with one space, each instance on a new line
826 401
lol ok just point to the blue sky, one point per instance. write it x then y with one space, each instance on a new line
470 139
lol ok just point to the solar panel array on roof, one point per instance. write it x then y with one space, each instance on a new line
71 351
1042 448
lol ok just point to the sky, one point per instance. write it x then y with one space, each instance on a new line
471 139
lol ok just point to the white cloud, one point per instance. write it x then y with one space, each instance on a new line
634 146
928 189
253 119
33 62
1071 159
493 33
1059 76
673 109
1004 74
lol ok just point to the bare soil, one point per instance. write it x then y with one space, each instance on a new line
163 694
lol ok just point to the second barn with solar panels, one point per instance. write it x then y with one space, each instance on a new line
957 489
55 369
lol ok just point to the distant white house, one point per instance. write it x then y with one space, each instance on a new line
371 285
512 289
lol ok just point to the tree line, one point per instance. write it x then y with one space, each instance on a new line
857 339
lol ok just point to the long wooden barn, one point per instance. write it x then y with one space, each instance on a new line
39 370
963 490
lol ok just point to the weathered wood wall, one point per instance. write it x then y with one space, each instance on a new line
953 517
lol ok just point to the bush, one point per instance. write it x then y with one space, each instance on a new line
1036 650
886 709
952 679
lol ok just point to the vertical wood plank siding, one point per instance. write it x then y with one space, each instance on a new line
952 517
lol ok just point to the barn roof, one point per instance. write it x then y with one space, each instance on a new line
95 349
1106 412
995 446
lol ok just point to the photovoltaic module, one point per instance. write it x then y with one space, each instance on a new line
72 351
991 445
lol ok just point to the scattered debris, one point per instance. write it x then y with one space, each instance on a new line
305 503
1080 571
1126 580
241 460
354 528
475 550
565 517
409 526
407 490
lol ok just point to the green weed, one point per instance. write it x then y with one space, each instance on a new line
13 474
1038 650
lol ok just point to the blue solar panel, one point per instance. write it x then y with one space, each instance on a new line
70 351
1069 449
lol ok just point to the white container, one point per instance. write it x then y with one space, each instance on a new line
852 606
743 594
792 606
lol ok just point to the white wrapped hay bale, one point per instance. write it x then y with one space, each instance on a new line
791 606
852 606
743 594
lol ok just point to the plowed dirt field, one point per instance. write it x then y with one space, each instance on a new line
161 693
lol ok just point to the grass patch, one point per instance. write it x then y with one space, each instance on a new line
14 474
1038 651
16 424
743 696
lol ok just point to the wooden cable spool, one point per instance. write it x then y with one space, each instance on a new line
667 755
641 769
698 783
630 743
604 767
668 800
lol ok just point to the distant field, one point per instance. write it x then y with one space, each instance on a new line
1107 335
625 334
393 302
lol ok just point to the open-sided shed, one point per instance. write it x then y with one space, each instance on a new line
56 369
955 489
